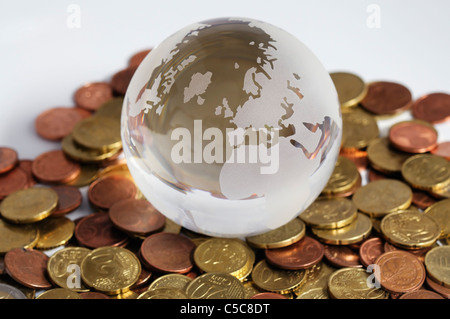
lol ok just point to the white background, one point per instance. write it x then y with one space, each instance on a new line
44 59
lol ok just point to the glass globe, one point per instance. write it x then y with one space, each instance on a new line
231 127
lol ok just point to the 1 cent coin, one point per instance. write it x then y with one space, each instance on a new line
69 199
92 95
97 230
106 191
12 181
57 122
413 137
370 250
55 167
137 216
400 271
433 108
28 267
387 98
301 255
168 252
8 159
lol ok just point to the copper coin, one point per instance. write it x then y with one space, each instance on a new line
400 271
168 252
342 256
136 216
92 95
121 79
433 108
422 199
97 230
442 149
413 137
387 98
8 159
268 295
25 165
12 181
56 123
370 250
93 295
421 294
443 291
419 253
28 267
137 58
106 191
55 167
69 199
302 254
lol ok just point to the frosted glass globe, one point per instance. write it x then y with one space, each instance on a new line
231 127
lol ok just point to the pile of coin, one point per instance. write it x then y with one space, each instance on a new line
379 230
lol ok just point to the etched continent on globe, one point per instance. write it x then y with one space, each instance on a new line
231 127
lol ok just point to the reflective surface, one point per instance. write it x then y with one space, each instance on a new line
231 127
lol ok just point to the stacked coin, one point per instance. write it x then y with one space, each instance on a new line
380 228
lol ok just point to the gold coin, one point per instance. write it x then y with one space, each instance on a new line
316 278
98 132
351 283
163 293
29 205
350 234
382 197
88 174
54 232
274 279
83 154
351 89
59 293
176 281
345 175
251 289
216 286
112 270
282 236
437 263
329 213
410 229
227 255
426 171
440 212
111 108
14 236
359 128
314 293
384 158
63 268
130 294
443 192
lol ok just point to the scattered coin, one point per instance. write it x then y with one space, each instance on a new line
168 252
8 159
350 87
385 98
92 95
433 108
351 283
28 267
111 270
400 272
413 137
29 205
56 123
